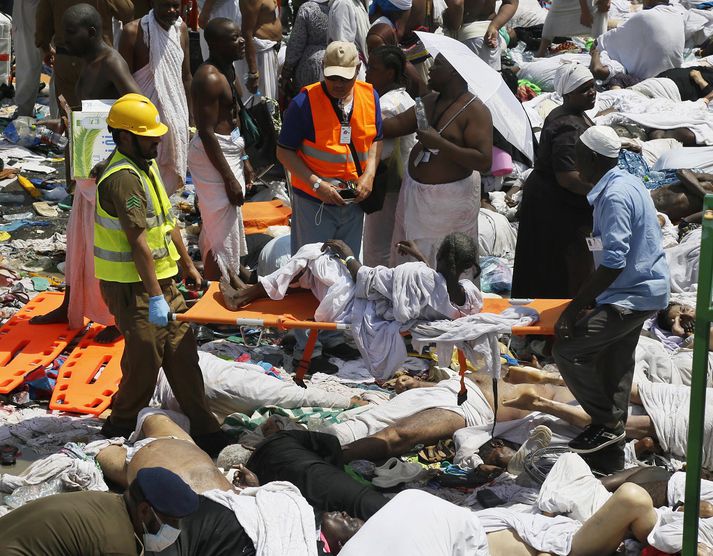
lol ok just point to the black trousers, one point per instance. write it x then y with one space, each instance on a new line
313 462
597 364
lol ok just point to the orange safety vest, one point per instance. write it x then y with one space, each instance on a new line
325 156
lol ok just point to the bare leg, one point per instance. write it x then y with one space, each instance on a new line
544 48
532 375
211 271
112 461
630 509
425 427
236 298
161 426
58 315
529 400
508 543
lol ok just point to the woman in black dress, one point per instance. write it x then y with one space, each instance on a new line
552 259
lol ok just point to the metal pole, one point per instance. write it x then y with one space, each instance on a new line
704 316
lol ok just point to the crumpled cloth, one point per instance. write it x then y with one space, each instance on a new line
76 471
476 335
275 516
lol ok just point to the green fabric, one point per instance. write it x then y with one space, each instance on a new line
529 84
240 421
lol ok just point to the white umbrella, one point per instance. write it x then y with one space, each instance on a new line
508 114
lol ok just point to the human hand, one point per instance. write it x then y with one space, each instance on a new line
252 84
429 138
564 328
409 249
492 36
586 18
338 248
356 401
244 477
234 191
249 174
158 310
192 278
365 183
328 194
683 325
49 56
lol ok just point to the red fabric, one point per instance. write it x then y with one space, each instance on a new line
651 551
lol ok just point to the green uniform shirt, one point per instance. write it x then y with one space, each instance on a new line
123 196
70 524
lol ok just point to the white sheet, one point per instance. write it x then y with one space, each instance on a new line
683 263
686 157
668 407
419 524
348 22
275 516
571 489
496 236
232 387
649 42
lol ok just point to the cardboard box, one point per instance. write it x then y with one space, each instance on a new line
90 141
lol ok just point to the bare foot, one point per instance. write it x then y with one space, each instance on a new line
235 298
525 401
59 315
108 336
244 477
698 79
645 447
530 375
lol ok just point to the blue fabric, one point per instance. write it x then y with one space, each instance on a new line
386 7
635 164
315 222
625 220
297 124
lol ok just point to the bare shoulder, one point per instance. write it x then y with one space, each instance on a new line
131 29
208 80
479 111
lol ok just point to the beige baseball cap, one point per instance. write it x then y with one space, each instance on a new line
341 60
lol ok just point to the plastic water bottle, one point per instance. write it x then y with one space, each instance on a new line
49 137
21 132
421 118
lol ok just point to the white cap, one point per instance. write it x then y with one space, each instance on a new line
602 140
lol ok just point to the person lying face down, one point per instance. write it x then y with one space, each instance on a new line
456 255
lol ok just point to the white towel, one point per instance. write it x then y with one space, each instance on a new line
476 335
222 232
275 516
162 82
668 407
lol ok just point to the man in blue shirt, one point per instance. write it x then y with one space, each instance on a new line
595 351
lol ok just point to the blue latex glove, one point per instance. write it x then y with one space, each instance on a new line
158 310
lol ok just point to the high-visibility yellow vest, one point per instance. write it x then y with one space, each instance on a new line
326 156
113 260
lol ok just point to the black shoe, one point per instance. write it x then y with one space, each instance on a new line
342 351
318 364
608 460
213 442
596 437
110 430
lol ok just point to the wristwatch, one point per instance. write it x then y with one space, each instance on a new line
316 185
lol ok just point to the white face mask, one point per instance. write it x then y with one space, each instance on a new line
162 539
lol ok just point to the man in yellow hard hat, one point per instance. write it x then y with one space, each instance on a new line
137 251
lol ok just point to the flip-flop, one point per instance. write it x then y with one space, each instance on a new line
398 472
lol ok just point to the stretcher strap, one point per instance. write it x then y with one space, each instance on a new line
463 364
306 358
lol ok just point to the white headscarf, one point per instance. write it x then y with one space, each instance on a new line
570 76
602 140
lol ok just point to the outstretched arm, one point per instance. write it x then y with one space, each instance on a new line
249 10
505 13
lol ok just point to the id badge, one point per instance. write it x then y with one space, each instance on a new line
594 243
345 135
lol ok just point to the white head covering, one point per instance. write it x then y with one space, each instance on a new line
602 140
402 4
570 76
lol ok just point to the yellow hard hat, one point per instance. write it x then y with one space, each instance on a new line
137 114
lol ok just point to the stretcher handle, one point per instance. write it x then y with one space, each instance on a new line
205 284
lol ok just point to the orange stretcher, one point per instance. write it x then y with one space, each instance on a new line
297 311
26 348
90 376
259 215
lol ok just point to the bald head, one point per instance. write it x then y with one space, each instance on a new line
224 40
83 15
219 30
